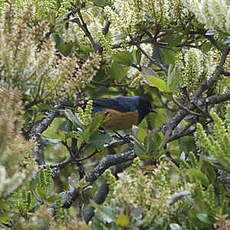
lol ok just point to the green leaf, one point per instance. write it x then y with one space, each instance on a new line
4 218
61 45
122 220
97 122
65 126
206 47
117 72
53 198
65 48
139 149
154 143
106 214
173 79
140 133
157 82
123 58
3 206
41 192
175 226
100 139
100 3
30 85
226 41
169 56
43 106
227 82
58 39
203 217
196 175
54 131
84 137
91 129
138 55
173 39
148 17
71 117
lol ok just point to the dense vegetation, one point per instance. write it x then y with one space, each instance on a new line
58 170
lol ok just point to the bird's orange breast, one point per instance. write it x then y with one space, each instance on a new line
118 120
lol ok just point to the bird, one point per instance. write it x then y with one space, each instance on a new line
122 112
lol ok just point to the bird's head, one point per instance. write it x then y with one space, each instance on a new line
144 108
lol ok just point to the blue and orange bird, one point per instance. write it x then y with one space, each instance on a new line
122 112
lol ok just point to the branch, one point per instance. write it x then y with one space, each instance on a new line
218 71
178 196
107 162
185 131
225 73
172 124
42 125
218 98
69 197
163 68
105 30
213 41
102 193
71 160
81 23
38 129
185 108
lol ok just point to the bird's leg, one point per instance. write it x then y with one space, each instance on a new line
126 138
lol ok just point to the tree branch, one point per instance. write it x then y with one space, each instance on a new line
162 67
99 198
107 162
218 71
38 129
213 41
184 108
225 73
81 23
71 160
172 124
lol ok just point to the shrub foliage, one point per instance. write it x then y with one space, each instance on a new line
59 170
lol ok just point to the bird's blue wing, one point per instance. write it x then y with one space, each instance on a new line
122 104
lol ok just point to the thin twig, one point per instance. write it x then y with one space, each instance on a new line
225 73
81 23
204 112
213 41
185 131
185 108
172 159
163 68
105 30
71 160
